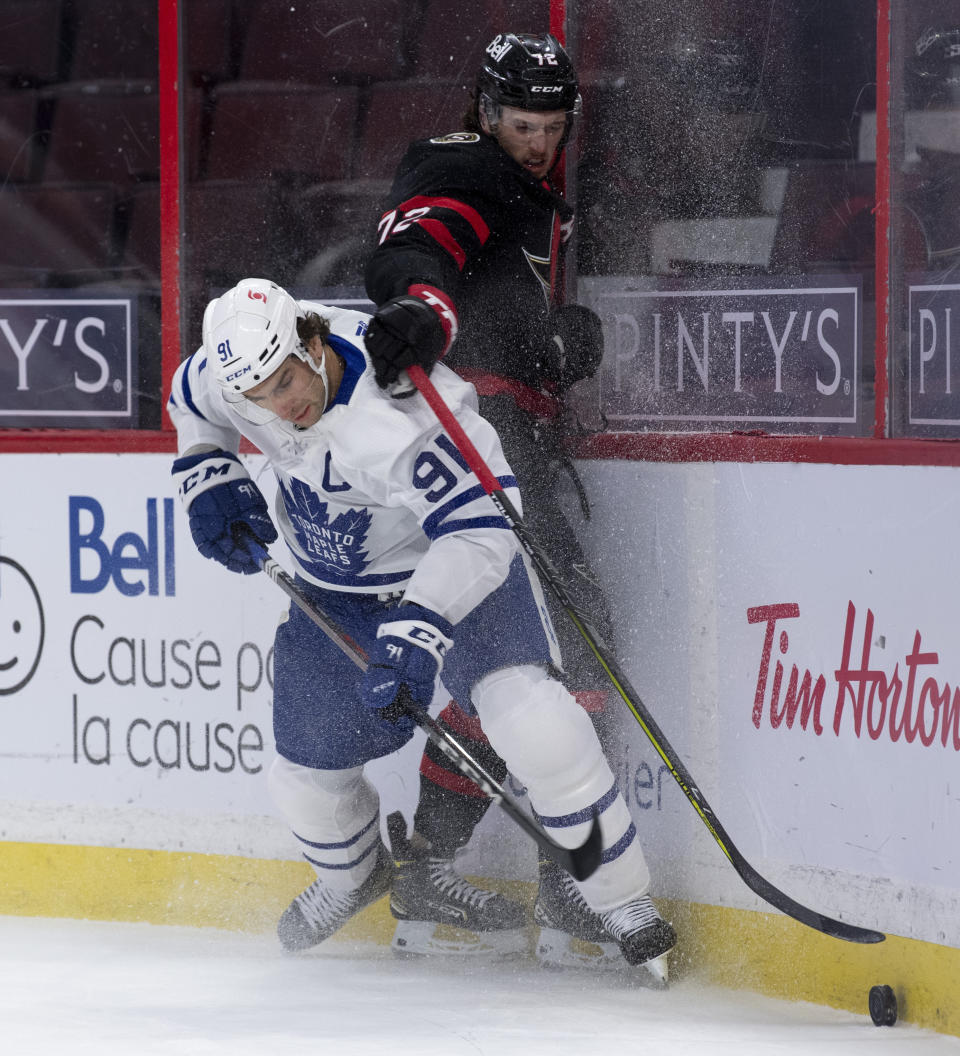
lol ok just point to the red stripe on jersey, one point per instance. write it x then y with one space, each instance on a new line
441 233
473 218
460 722
443 306
450 781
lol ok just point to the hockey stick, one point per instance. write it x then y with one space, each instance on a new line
579 862
758 884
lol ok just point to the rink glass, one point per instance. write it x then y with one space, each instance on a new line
725 172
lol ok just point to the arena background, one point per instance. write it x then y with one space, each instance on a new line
767 205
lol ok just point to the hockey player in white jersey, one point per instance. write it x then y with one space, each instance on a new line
396 541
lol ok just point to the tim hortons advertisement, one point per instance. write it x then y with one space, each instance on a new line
794 631
67 361
785 357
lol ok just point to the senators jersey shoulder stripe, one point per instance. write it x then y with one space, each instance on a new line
464 218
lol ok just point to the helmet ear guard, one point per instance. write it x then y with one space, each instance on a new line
488 109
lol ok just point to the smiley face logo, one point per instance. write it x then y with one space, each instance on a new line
21 627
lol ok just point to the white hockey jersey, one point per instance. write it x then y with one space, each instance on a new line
374 497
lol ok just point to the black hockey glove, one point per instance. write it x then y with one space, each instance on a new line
575 349
404 332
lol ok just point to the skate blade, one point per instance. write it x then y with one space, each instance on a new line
558 949
420 938
659 970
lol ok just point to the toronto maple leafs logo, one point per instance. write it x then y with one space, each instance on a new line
331 544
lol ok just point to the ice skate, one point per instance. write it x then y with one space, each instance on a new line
439 911
645 938
316 913
571 934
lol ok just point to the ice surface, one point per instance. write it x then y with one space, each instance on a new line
83 987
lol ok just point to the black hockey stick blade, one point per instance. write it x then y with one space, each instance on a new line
758 884
580 862
837 929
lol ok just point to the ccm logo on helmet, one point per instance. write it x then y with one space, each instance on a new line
239 373
547 88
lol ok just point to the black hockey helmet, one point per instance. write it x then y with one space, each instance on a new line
530 71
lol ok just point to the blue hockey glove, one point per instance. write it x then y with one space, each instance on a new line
409 652
220 498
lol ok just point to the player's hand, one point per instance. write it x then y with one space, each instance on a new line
575 348
220 499
404 332
408 652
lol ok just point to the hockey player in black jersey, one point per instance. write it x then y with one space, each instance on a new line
468 267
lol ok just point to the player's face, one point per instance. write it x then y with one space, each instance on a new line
294 392
531 138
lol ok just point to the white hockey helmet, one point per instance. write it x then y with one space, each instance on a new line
248 333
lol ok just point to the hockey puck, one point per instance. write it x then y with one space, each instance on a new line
883 1006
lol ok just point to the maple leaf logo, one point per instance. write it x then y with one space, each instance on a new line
330 545
301 500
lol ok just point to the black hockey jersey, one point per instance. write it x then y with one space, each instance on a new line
465 218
